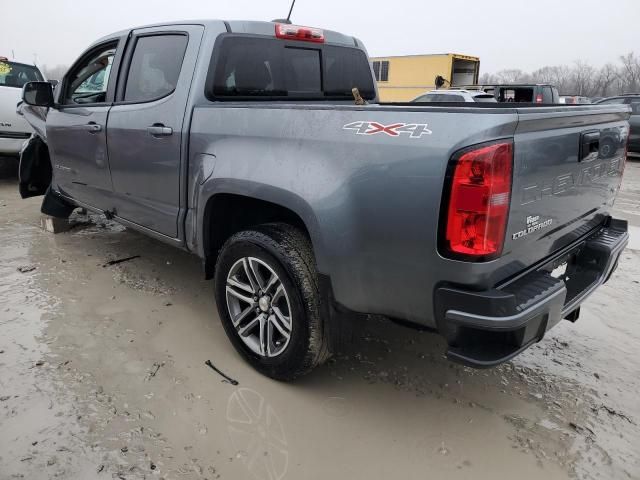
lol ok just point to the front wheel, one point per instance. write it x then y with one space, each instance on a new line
266 287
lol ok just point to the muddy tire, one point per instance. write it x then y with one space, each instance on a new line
266 287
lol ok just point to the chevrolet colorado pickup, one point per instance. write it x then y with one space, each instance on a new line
241 142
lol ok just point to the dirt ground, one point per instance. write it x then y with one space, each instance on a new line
103 375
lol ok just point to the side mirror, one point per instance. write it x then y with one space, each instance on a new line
38 94
53 83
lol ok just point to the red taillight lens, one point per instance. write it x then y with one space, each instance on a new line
539 98
296 32
479 201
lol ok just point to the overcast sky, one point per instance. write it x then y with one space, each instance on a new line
503 33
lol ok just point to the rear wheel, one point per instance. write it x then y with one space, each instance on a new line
266 287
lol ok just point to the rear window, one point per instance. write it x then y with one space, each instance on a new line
254 68
17 74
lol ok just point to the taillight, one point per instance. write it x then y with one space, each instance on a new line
296 32
539 98
478 208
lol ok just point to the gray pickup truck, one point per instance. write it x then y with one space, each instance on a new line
241 142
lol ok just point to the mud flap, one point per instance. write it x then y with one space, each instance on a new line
56 206
35 168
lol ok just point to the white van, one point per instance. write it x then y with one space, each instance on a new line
14 131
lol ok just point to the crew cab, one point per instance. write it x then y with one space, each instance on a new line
14 131
262 148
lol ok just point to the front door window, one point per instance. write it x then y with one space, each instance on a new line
88 82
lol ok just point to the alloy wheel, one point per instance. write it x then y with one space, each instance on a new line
259 306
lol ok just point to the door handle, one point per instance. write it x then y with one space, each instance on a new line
589 143
93 127
159 130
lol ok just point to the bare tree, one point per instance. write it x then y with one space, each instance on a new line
631 72
583 78
488 79
511 76
605 79
559 75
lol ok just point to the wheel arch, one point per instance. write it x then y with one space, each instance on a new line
35 169
239 206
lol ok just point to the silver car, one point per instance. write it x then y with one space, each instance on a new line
454 95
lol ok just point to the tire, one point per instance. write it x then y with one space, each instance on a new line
285 251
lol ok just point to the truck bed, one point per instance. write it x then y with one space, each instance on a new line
373 200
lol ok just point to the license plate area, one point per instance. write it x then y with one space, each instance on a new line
561 267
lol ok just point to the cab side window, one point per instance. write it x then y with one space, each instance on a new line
155 67
88 81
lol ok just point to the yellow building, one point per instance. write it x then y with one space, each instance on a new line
403 78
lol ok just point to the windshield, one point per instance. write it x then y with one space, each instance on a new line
17 74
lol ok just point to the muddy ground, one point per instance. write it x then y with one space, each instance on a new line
102 375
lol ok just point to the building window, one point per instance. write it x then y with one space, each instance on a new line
381 70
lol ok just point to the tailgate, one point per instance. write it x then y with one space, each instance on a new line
568 166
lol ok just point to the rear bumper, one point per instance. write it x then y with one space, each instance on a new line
487 328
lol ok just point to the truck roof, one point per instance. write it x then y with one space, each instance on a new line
242 26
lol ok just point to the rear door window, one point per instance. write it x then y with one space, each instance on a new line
252 68
15 75
155 67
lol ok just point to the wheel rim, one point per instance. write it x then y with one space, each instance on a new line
259 307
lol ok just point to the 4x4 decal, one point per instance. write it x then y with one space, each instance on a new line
414 130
